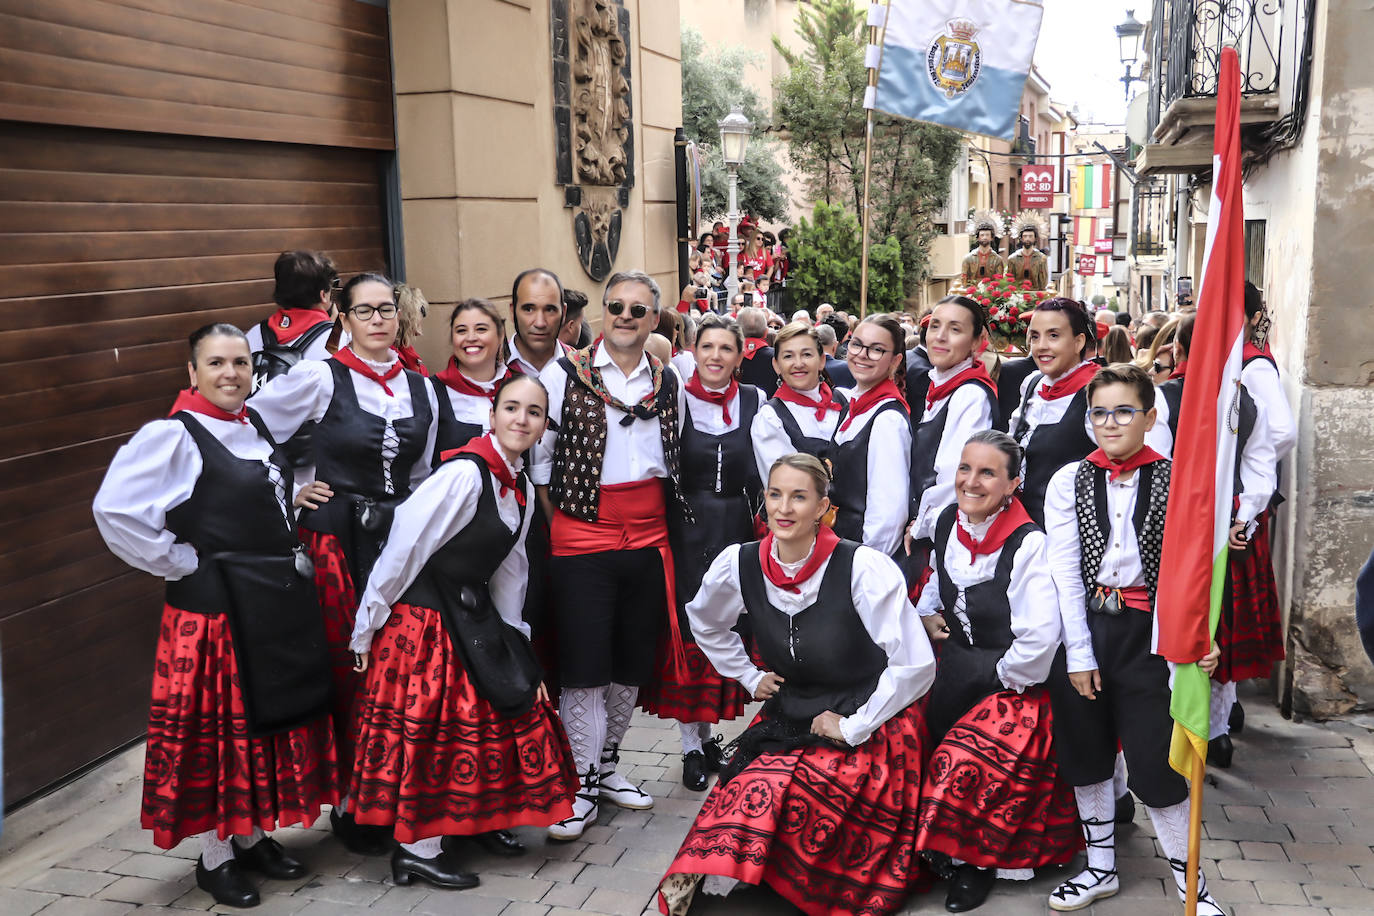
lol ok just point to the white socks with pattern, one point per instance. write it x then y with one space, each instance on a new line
694 734
427 848
583 713
1223 698
214 851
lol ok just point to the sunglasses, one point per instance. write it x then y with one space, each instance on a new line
1161 367
617 308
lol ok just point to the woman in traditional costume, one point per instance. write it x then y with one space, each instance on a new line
466 387
722 487
239 739
820 799
456 734
373 438
803 413
992 804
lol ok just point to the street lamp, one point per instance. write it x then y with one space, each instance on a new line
1128 35
734 143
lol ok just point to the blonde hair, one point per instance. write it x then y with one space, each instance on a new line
797 329
1145 358
807 464
411 307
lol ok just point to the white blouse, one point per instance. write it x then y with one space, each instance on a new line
1040 411
318 349
441 506
710 418
289 401
634 452
889 473
1261 379
770 438
969 411
1034 602
472 408
879 593
156 471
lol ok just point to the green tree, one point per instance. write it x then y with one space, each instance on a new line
826 252
819 102
712 84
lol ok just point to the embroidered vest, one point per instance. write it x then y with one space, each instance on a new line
1095 526
575 486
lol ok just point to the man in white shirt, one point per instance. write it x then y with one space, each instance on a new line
536 304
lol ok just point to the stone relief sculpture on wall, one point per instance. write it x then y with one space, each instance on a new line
593 126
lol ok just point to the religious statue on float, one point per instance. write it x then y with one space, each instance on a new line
1029 262
983 262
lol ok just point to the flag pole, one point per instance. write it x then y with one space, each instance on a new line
875 39
1194 833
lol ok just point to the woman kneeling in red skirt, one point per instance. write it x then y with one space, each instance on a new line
993 803
820 800
456 735
239 739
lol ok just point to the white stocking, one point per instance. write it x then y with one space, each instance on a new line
1223 698
427 848
1171 827
1097 811
691 737
583 712
620 706
214 851
245 841
1119 786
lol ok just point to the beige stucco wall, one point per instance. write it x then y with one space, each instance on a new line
475 137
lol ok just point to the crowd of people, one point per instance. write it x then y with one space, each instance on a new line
433 601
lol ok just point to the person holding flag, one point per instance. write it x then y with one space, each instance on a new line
1104 518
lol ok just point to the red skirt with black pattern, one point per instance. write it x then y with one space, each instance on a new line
698 694
1250 631
339 605
831 829
992 794
434 758
202 771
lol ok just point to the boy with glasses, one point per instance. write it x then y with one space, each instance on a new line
1104 519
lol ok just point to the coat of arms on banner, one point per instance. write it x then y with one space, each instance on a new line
954 59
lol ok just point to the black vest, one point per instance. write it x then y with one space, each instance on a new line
825 656
451 432
968 661
821 448
1244 413
1172 389
1050 447
1095 525
849 472
926 439
723 463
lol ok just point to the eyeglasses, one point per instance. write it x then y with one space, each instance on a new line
1123 416
872 352
1160 367
365 312
617 308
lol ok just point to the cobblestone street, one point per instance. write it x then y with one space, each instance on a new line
1286 834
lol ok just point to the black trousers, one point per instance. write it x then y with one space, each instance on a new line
1132 707
609 609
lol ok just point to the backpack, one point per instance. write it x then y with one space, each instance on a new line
276 358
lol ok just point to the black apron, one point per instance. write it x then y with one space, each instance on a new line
254 570
849 488
1050 447
821 448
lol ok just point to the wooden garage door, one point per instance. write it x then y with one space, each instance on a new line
113 247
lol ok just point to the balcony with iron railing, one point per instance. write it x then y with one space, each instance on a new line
1186 38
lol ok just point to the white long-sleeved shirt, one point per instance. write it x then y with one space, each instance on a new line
770 438
1035 623
304 394
1259 470
318 348
1261 379
879 594
153 473
634 452
473 408
442 506
517 358
710 418
969 411
889 473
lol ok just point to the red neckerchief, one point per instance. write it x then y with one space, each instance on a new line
288 324
1250 351
826 539
454 378
721 399
485 449
355 362
410 359
977 372
1072 383
752 345
1115 469
1002 527
192 400
1180 370
870 399
825 399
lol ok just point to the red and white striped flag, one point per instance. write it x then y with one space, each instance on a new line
1198 522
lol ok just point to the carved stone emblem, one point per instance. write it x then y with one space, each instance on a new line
593 127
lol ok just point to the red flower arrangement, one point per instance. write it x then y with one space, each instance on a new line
1009 306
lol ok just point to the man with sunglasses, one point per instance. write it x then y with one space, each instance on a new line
537 311
606 472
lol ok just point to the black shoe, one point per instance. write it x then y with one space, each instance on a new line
227 884
1125 809
267 857
359 838
1220 750
440 871
498 843
714 753
939 864
694 770
970 888
1236 721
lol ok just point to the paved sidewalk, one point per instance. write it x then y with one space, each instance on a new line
1287 834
